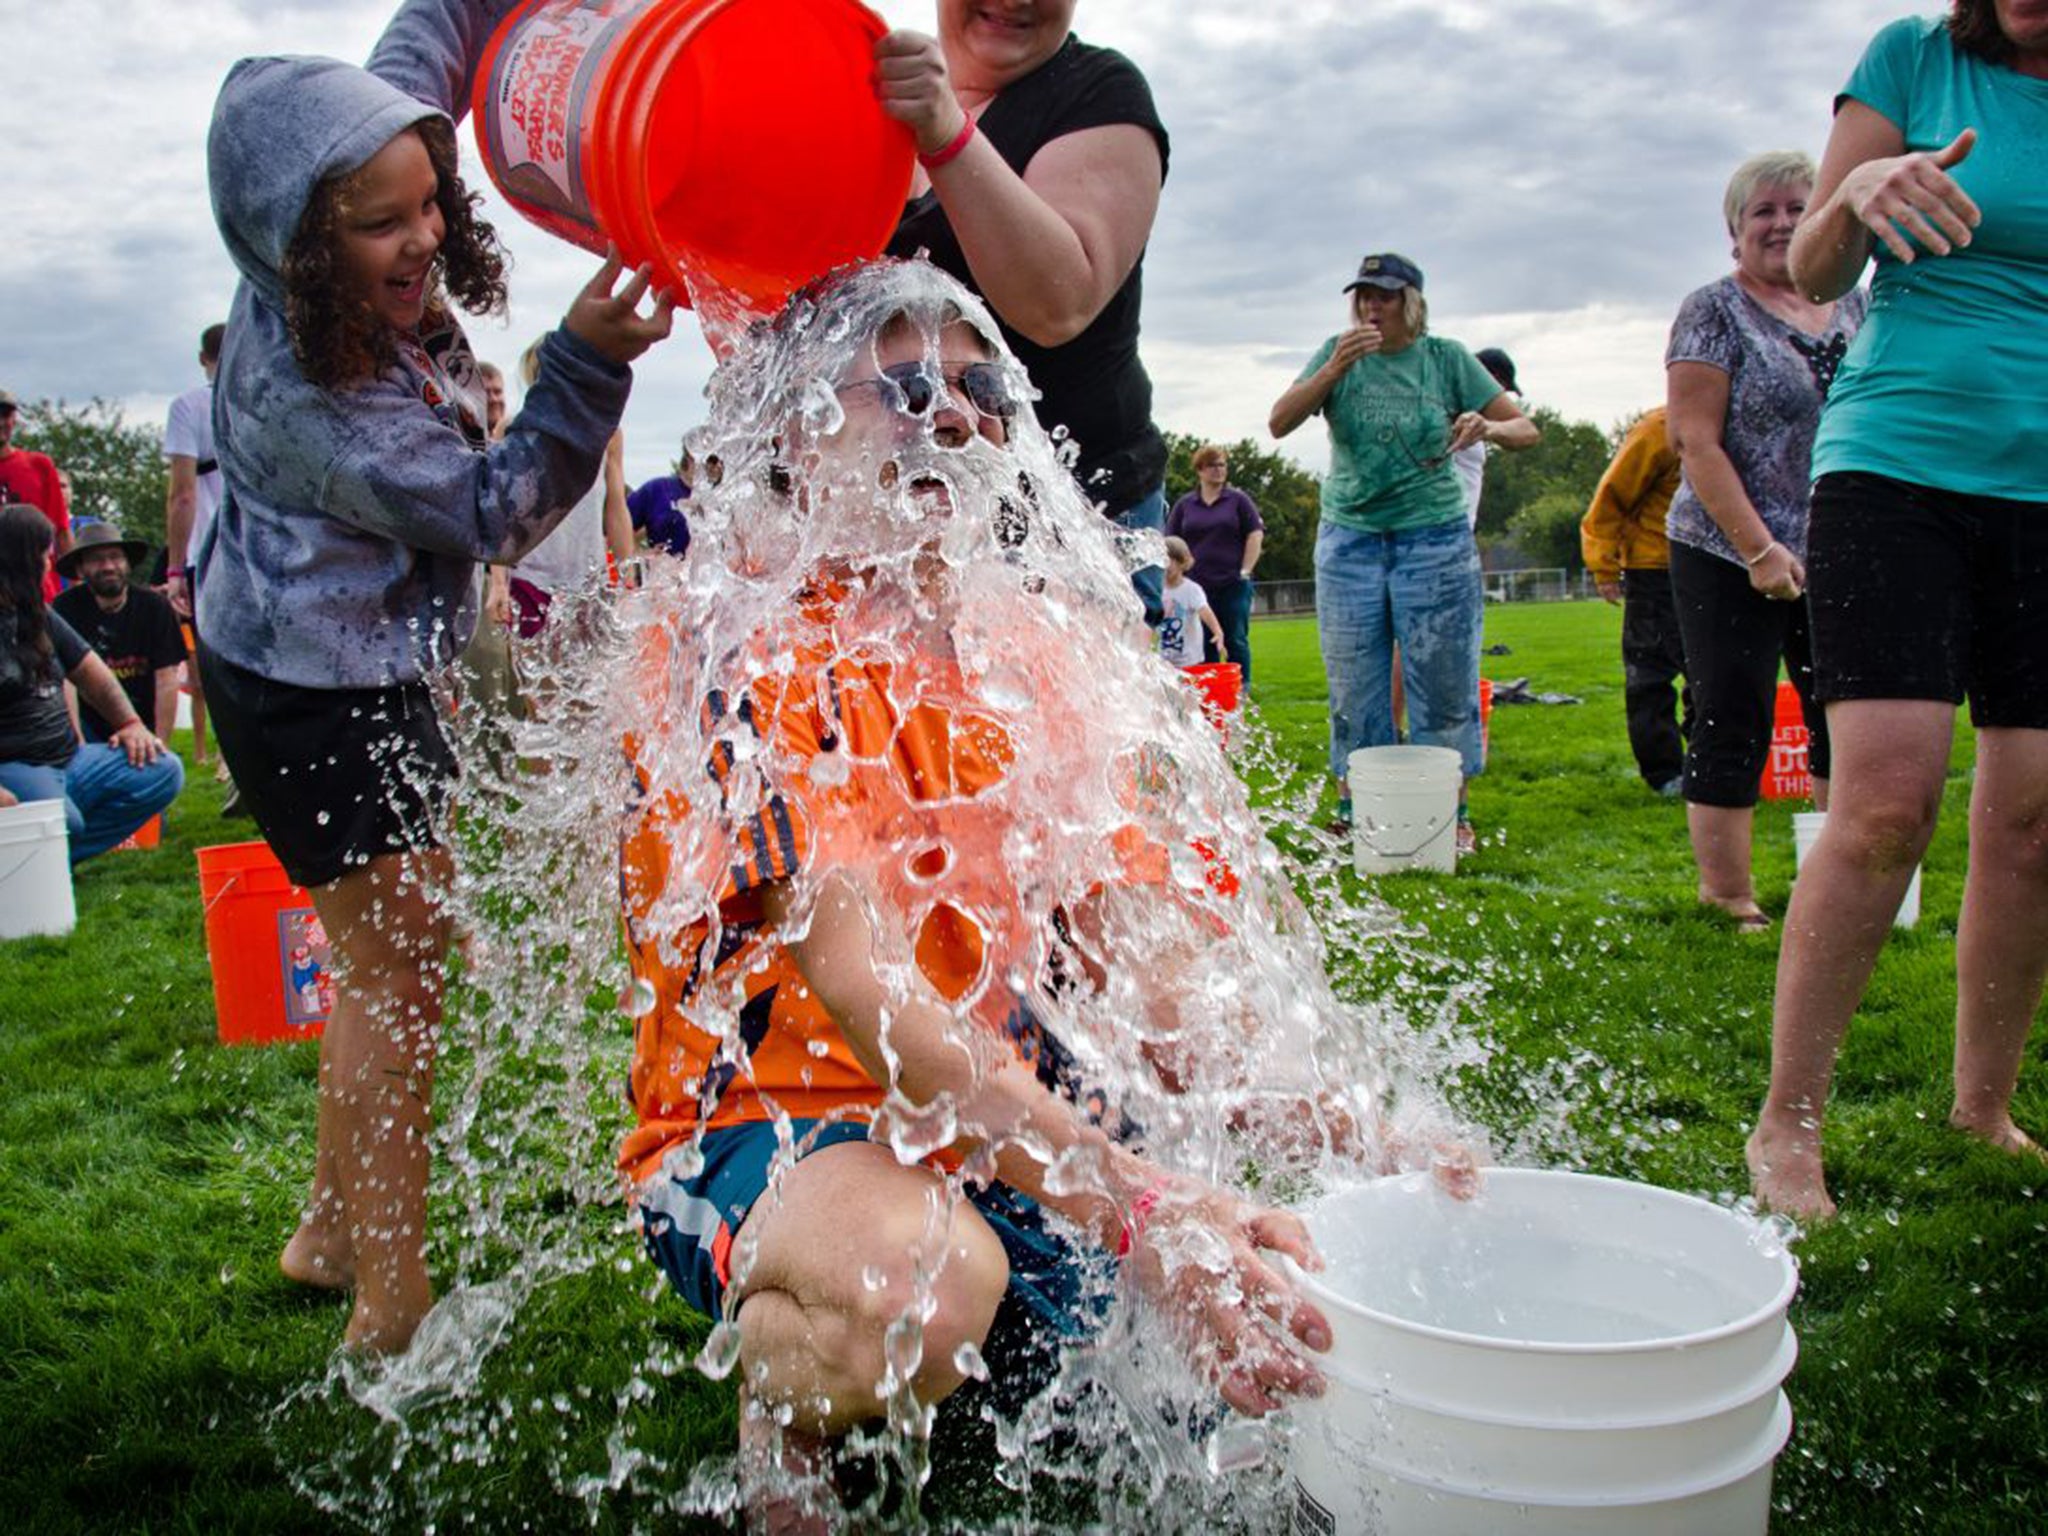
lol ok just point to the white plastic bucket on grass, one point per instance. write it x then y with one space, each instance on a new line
1806 827
35 870
1404 808
1564 1353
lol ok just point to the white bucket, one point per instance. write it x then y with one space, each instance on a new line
1806 827
35 870
1564 1353
1404 808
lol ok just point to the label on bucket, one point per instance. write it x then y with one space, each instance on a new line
533 119
306 964
1310 1518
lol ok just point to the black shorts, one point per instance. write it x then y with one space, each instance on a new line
335 777
1919 593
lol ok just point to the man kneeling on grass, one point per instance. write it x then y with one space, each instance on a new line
857 1131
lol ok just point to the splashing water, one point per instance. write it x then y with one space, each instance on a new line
1107 867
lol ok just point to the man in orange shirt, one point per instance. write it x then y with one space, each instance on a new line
31 477
1622 539
850 1110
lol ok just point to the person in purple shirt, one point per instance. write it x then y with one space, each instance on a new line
657 507
1223 527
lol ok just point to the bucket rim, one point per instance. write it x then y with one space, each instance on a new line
1774 1375
1745 1463
1780 1302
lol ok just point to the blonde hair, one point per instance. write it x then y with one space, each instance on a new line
1772 168
529 363
1414 310
1177 550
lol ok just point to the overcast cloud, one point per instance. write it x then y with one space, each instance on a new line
1554 166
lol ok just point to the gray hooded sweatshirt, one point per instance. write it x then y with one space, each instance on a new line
343 552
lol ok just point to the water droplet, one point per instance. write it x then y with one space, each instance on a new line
640 999
968 1362
721 1351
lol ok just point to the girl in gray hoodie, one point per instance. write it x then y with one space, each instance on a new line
339 571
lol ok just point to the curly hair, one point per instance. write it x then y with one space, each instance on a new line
25 539
1973 25
337 336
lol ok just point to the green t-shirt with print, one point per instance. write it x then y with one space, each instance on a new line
1390 434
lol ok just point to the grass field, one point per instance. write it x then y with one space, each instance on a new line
155 1371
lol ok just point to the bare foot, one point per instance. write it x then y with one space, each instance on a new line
319 1256
1743 911
2001 1133
1785 1174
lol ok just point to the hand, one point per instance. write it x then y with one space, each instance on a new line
913 86
179 594
498 607
1609 587
1201 1256
7 797
1359 341
611 322
1468 429
1779 575
1916 194
139 742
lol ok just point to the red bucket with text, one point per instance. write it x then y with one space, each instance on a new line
738 141
1786 775
273 975
1221 686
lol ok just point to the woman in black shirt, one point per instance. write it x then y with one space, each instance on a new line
1041 160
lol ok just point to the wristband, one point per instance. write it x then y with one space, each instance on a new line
1761 555
946 155
1134 1227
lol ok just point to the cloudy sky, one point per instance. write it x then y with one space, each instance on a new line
1554 166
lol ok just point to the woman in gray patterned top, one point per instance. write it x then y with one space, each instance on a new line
1749 363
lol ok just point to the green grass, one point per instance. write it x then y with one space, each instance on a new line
147 1175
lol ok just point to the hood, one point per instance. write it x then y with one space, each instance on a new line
281 126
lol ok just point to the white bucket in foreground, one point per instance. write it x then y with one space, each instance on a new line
35 870
1563 1354
1404 808
1806 827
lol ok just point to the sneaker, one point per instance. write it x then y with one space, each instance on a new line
231 802
1672 787
1468 840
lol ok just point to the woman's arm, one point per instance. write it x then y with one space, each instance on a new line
1697 395
1500 423
1254 546
1304 397
1870 189
618 520
1048 249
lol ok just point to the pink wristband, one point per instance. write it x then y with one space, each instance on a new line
1134 1228
951 152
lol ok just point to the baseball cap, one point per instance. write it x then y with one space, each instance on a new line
1386 270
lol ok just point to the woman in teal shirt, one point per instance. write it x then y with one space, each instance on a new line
1395 561
1928 558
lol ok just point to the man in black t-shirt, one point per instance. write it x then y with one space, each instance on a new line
133 628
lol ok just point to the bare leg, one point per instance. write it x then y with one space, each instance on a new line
2002 943
365 1220
1720 847
1889 758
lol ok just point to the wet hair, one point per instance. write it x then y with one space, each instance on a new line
1973 27
1414 309
209 343
1210 453
1772 168
337 336
25 538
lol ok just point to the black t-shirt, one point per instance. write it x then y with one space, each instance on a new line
1094 385
35 727
133 643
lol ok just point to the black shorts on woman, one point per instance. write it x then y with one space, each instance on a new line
1922 593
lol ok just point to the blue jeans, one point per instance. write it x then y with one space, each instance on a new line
1149 511
105 796
1422 589
1233 605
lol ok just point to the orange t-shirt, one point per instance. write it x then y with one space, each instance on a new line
847 759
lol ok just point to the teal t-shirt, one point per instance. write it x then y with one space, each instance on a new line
1947 384
1390 434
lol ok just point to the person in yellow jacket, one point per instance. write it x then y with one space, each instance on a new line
1622 539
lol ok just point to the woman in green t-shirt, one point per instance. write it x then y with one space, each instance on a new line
1395 561
1928 559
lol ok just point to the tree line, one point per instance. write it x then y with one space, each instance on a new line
1528 516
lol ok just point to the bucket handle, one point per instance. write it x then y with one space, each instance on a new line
1436 830
19 865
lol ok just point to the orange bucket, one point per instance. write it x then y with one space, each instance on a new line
273 975
1221 686
148 835
735 140
1786 775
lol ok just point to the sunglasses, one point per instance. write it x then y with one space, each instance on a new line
912 388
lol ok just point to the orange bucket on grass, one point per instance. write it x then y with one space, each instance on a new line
1221 686
1786 774
148 835
739 140
1485 716
273 975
